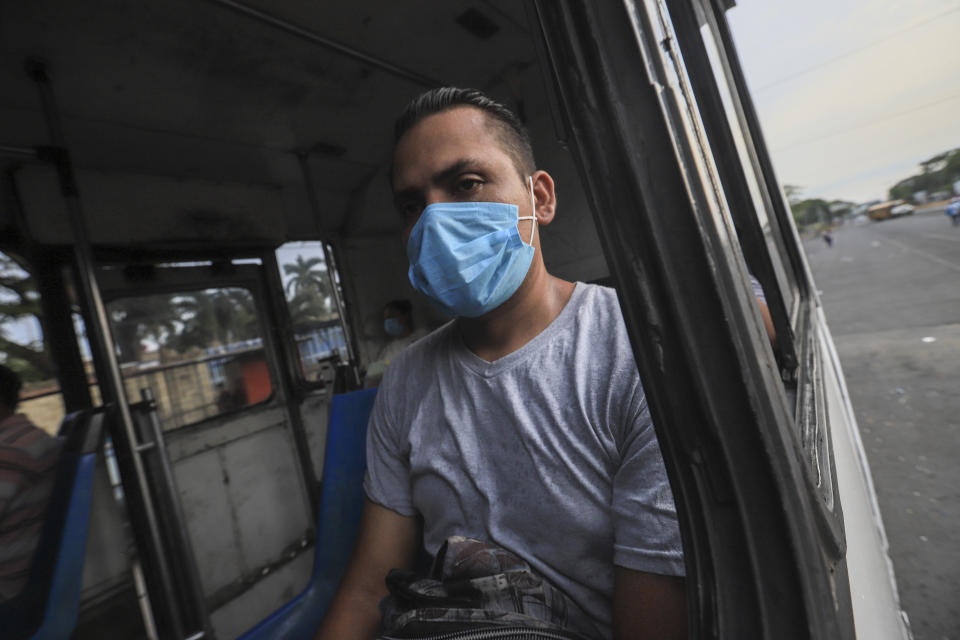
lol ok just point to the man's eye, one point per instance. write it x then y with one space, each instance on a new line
466 185
410 210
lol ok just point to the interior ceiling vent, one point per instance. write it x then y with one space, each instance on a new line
477 23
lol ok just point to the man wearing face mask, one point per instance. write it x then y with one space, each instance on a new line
521 423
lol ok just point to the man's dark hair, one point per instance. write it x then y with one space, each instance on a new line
509 130
404 307
9 387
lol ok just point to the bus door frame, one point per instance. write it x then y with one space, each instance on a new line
256 278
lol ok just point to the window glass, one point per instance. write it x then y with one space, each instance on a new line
701 174
312 295
201 352
680 106
787 285
22 346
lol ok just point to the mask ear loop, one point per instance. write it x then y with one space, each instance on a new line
533 208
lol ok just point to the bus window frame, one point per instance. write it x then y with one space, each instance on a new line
286 336
223 275
720 410
715 13
801 370
733 175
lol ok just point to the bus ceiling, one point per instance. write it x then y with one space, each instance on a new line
227 97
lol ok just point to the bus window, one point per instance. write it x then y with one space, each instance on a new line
723 175
694 145
200 352
785 279
312 302
22 344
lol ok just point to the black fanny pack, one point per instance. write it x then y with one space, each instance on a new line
478 591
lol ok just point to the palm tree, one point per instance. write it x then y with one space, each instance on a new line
309 282
152 318
214 317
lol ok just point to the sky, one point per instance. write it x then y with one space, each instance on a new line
852 94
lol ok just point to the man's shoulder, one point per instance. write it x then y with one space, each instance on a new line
26 444
18 427
599 294
599 308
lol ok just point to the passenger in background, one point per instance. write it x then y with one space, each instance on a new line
28 463
398 325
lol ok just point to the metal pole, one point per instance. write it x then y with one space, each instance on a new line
339 47
185 547
143 599
101 340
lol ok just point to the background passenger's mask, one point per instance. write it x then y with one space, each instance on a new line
467 257
393 327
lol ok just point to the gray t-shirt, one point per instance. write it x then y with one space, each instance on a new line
548 452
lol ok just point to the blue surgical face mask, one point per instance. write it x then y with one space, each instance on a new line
393 327
468 257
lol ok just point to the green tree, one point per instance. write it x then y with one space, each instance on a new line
810 211
936 174
146 318
183 321
308 290
309 275
212 318
19 300
793 193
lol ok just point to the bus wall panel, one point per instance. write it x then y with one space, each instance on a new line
876 604
571 247
216 432
210 520
302 222
268 497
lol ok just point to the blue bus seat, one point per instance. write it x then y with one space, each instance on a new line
338 520
48 606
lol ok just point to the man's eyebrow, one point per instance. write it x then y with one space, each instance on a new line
457 167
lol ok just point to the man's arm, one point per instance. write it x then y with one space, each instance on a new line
647 605
767 322
386 540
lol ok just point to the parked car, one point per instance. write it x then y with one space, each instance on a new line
903 209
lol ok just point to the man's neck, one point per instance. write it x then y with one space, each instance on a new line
519 320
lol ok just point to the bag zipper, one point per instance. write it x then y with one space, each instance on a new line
500 633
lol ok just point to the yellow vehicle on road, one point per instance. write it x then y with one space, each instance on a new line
889 209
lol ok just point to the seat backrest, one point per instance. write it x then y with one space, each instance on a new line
341 493
47 607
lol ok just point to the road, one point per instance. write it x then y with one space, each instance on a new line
891 293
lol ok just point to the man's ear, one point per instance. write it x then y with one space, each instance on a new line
545 197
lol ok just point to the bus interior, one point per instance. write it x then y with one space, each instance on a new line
195 205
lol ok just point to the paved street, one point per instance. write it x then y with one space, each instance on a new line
891 291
